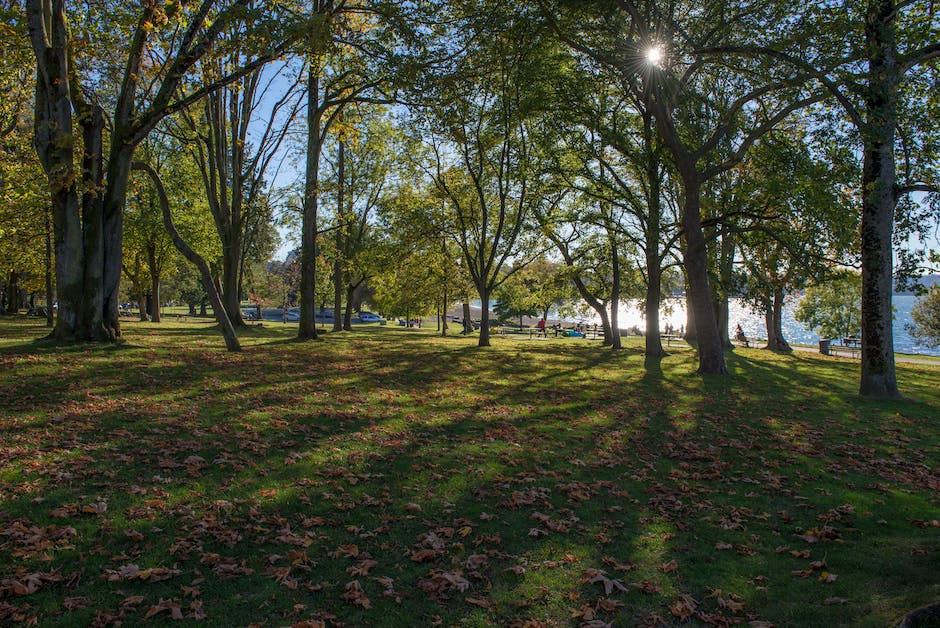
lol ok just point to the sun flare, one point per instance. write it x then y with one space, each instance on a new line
654 54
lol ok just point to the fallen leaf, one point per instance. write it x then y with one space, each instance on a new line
353 593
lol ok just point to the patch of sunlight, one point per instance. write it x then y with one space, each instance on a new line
552 571
651 548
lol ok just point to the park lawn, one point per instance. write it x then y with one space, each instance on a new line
390 477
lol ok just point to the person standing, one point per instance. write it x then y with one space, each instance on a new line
541 328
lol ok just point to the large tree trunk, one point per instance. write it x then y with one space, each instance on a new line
711 356
484 318
141 305
467 320
53 140
690 335
654 343
879 176
654 270
773 318
231 267
308 239
93 320
115 198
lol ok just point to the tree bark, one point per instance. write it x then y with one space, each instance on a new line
773 318
54 140
467 320
710 353
93 320
879 177
50 319
141 305
725 272
615 342
341 240
308 240
444 317
654 268
155 295
484 318
115 198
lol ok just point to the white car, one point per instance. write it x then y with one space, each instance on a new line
369 317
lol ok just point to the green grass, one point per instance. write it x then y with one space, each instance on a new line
455 485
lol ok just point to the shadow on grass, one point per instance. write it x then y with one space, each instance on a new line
528 464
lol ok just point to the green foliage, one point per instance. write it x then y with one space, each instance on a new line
834 307
797 214
926 318
534 290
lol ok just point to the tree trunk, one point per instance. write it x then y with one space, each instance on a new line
879 176
154 282
155 292
654 343
225 325
711 356
141 305
690 335
774 321
231 265
341 237
444 318
597 306
308 240
654 270
725 273
615 342
54 140
115 197
96 327
337 296
484 318
50 320
467 320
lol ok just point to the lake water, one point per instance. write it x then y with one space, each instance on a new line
753 324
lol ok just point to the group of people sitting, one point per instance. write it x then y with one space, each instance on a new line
579 330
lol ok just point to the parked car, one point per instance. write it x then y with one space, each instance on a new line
277 314
369 317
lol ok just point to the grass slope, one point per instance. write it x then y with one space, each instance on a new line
389 477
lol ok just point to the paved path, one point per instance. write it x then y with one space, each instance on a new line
842 352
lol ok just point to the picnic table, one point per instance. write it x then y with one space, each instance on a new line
852 343
669 338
